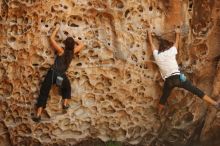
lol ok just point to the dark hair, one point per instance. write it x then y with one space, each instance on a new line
164 44
69 43
69 46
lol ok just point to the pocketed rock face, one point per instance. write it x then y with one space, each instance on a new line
115 84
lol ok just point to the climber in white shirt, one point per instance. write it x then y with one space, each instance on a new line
165 58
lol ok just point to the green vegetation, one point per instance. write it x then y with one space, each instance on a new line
113 143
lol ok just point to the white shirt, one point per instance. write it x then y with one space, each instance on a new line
167 62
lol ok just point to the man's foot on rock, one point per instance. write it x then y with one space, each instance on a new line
161 109
36 119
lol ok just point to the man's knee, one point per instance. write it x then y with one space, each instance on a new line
193 89
200 94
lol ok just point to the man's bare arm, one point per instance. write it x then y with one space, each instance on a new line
54 44
176 44
151 41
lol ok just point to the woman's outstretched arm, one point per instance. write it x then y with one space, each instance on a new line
79 47
54 44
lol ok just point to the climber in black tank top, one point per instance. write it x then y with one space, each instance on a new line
56 74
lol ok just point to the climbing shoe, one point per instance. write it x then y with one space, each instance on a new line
66 107
36 119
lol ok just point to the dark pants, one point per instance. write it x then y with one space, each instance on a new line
174 81
65 88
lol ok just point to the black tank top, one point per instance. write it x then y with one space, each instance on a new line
62 62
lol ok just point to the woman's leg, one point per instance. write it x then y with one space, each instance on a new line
44 92
66 91
39 111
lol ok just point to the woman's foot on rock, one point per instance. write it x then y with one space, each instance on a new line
36 119
66 107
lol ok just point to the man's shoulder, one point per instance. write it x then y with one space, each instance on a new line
155 52
172 49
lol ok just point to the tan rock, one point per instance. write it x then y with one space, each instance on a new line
115 83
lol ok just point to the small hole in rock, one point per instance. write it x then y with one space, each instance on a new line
79 64
140 8
89 3
190 6
134 58
35 64
66 33
74 25
12 39
65 7
126 13
120 5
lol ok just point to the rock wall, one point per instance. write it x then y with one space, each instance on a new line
115 83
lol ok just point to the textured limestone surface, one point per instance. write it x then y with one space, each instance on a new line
115 83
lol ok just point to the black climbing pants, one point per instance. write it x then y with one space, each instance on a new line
65 88
174 81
